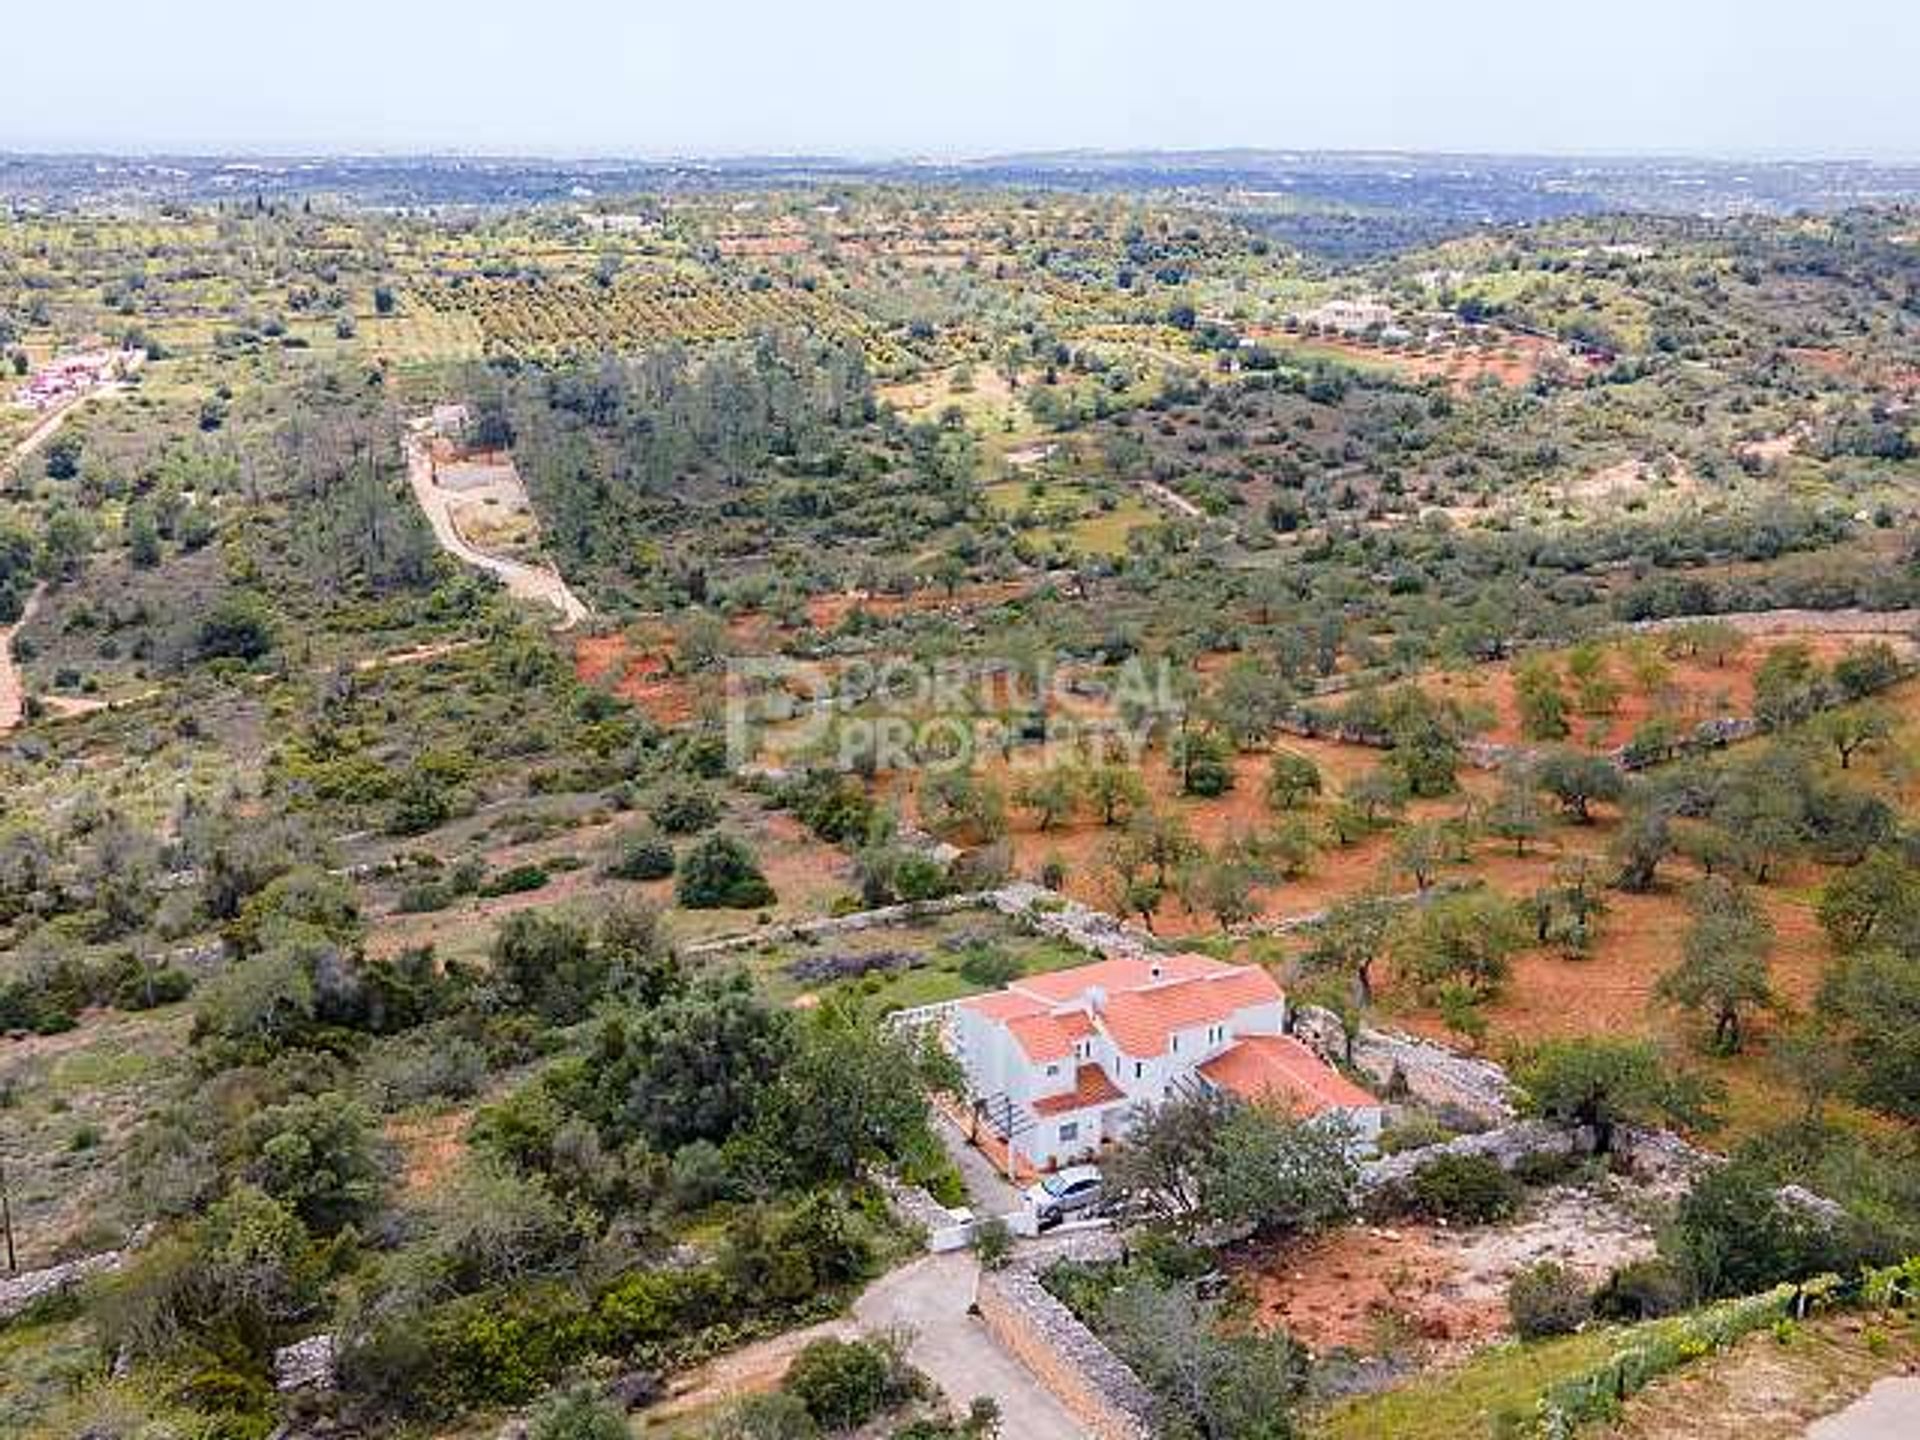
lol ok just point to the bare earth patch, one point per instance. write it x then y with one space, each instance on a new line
430 1146
1362 1286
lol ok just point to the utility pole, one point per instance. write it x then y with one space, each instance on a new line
6 1221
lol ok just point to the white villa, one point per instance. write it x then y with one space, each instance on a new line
1057 1062
1349 317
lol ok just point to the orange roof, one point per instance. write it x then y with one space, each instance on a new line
1091 1087
1049 1037
1279 1068
1141 1021
1003 1005
1114 975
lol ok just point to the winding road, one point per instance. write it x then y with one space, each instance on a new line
540 583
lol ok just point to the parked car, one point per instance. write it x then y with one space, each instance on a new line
1064 1193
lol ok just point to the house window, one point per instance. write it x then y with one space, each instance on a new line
1053 1069
1070 1130
1176 1044
1139 1068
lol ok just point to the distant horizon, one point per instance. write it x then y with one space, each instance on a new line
877 158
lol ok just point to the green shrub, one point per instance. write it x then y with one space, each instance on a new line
239 627
655 1305
989 968
1547 1299
1643 1290
1465 1189
835 807
1416 1132
420 805
576 1413
720 873
1540 1168
515 880
992 1242
317 1155
422 899
143 989
683 810
764 1417
845 1383
641 856
1734 1234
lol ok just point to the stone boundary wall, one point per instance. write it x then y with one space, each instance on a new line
940 1228
307 1364
1799 622
1431 1072
842 924
1101 935
1665 1156
1507 1147
20 1293
1092 1383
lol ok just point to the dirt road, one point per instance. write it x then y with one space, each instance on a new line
928 1298
1171 499
540 583
13 687
47 427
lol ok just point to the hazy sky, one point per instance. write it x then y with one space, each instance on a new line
904 77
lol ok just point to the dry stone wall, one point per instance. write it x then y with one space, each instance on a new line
20 1293
1092 1383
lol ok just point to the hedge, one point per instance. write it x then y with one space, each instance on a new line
1668 1344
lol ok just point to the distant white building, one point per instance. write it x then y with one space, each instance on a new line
1058 1062
1349 317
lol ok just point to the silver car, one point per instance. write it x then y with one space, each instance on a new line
1064 1193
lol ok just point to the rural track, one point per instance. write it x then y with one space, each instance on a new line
48 426
13 686
539 583
929 1299
1170 499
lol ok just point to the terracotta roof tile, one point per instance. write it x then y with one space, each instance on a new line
1113 976
1091 1088
1003 1005
1142 1021
1046 1037
1279 1068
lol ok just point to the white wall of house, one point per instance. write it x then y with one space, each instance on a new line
993 1062
1068 1138
996 1066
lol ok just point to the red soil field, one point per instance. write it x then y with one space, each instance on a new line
1517 360
1696 691
645 679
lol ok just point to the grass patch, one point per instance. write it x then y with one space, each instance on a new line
1463 1404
